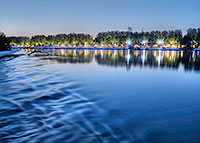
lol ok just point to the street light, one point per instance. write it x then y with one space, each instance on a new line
144 42
129 42
160 42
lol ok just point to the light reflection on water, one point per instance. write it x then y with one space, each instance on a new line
128 58
99 96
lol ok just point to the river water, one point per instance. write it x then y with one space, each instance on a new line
97 96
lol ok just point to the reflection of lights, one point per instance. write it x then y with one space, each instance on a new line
128 57
144 42
96 52
172 56
143 57
181 54
102 54
62 52
109 52
159 58
114 54
93 55
194 56
160 42
85 52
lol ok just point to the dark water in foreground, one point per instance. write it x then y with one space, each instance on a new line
70 96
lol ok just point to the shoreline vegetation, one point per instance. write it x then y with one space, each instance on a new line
107 48
172 39
4 43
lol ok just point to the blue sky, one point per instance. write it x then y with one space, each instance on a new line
30 17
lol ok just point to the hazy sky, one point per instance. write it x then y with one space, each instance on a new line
30 17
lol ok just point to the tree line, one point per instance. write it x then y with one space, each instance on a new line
191 39
139 37
51 40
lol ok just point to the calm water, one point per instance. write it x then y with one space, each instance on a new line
111 96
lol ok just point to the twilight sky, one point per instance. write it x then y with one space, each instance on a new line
30 17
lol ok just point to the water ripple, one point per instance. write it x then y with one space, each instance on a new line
44 100
41 105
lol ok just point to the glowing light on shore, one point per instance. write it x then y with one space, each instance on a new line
160 42
144 42
129 42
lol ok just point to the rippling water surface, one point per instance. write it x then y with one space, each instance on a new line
111 96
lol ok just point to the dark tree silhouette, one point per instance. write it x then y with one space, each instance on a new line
3 42
186 40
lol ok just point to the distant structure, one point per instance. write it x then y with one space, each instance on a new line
130 29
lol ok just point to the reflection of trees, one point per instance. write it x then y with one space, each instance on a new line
128 59
112 58
191 60
69 60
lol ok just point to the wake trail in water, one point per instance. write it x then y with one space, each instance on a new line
42 105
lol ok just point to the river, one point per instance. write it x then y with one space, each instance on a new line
111 96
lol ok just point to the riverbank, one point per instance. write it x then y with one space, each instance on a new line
105 48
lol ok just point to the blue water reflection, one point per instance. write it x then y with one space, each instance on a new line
99 96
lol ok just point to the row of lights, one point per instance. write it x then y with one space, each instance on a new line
144 42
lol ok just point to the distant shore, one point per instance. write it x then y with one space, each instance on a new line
105 48
152 40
